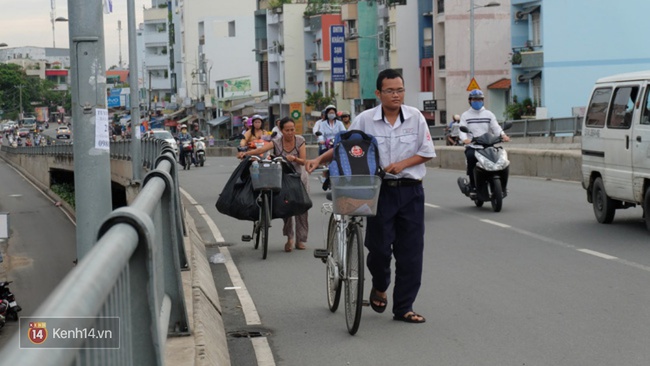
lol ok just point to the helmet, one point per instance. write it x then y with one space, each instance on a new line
331 106
456 117
345 114
183 127
476 94
256 116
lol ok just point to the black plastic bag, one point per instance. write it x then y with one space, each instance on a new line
237 198
293 198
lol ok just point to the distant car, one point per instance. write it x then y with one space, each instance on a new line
63 131
164 135
24 132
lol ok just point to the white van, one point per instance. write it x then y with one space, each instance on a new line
616 145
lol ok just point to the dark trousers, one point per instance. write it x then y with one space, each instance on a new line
471 164
397 230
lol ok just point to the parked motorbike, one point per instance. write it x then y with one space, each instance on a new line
6 294
491 171
186 154
4 307
199 151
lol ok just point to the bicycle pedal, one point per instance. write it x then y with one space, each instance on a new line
321 253
365 303
246 238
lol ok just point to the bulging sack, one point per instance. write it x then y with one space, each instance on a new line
293 198
237 199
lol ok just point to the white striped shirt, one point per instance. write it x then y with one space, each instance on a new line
479 123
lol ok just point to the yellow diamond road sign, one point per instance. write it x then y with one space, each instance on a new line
473 85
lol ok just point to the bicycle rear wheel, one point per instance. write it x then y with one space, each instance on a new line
266 221
333 275
354 279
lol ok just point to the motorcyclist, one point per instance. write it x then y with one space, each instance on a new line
452 131
329 128
184 136
478 121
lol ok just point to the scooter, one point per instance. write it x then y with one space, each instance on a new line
491 171
6 294
199 151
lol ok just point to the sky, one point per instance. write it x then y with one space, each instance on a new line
27 23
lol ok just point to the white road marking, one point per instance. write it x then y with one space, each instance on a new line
495 223
263 351
549 240
213 227
597 254
261 345
231 288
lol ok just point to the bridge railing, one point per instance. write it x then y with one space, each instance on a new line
132 273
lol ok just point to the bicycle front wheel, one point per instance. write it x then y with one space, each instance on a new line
333 267
266 222
354 279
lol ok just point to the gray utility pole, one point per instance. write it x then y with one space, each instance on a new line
136 153
119 39
92 166
20 90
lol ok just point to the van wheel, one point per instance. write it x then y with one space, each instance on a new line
646 208
604 207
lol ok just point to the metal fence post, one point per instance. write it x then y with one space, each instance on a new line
92 168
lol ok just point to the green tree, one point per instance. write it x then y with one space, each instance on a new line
318 101
11 76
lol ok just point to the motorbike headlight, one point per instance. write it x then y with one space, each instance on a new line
488 165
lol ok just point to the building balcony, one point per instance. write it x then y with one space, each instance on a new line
427 51
156 38
158 83
528 59
155 61
155 15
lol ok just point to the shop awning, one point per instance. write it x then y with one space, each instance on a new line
219 121
529 75
187 119
501 84
176 114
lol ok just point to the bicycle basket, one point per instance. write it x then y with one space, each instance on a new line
270 177
355 195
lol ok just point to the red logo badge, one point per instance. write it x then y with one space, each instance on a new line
356 151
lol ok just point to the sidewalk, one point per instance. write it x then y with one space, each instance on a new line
207 344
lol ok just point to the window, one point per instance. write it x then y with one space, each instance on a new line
537 91
231 29
537 41
598 107
620 115
645 119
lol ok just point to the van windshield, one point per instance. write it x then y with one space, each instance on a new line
164 135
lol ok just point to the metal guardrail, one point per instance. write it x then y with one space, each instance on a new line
530 127
132 272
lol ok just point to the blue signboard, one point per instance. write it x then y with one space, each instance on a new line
337 55
113 101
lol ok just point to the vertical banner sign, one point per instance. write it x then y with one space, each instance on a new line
101 130
295 109
337 44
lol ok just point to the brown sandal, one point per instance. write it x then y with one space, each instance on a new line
288 247
410 317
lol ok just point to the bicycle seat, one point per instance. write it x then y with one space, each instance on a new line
328 195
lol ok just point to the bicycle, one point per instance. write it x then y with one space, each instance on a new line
353 197
268 181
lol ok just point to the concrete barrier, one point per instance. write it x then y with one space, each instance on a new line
534 157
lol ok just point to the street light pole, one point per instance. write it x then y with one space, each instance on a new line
471 32
471 39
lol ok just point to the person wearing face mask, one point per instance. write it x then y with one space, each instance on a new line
329 128
478 121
